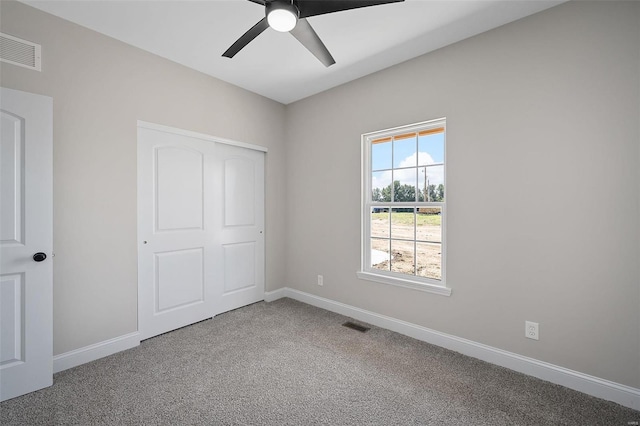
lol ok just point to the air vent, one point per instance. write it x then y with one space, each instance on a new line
20 52
357 327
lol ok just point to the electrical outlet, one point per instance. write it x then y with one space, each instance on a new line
320 280
531 330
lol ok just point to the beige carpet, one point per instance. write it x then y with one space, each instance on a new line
287 363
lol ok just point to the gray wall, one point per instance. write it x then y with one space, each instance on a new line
100 88
543 186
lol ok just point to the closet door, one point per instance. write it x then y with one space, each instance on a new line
200 228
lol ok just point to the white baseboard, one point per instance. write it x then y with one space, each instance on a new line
270 296
594 386
96 351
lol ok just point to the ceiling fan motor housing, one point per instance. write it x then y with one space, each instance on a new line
282 15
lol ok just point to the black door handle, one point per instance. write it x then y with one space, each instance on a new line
39 257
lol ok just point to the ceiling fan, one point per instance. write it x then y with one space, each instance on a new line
290 16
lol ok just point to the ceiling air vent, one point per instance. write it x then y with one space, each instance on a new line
20 52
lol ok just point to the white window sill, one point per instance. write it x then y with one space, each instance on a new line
399 282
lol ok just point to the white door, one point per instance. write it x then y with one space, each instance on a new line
241 182
181 208
26 268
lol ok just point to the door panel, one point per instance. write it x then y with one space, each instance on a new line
239 266
11 309
11 208
179 278
179 183
26 213
239 192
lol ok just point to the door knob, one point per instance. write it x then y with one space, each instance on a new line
39 257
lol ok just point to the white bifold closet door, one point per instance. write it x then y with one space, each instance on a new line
200 227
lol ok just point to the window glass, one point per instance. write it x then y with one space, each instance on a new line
404 185
431 149
404 152
429 224
403 257
381 186
380 258
431 183
380 222
381 155
429 260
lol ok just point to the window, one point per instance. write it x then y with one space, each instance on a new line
404 206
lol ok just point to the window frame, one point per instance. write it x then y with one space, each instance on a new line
367 272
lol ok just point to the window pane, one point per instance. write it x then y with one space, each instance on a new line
380 222
431 181
402 257
404 185
380 254
402 223
431 149
381 186
429 224
429 259
404 153
381 156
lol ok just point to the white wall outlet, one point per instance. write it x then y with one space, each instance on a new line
531 330
320 280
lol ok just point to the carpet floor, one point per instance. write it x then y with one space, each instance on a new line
288 363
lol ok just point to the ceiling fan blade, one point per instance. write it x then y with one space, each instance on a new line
309 39
246 38
320 7
262 2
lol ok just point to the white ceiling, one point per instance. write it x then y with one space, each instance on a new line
276 65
